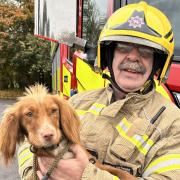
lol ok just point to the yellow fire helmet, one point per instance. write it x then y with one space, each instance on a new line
141 24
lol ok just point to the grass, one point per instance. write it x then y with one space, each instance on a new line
10 94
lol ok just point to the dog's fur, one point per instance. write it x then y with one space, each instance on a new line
44 119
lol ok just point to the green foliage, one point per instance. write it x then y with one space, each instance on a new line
91 22
24 58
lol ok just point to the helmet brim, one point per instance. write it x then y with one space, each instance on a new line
136 40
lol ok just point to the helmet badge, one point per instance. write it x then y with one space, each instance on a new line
135 22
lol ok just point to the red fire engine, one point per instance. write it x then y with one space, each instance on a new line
74 28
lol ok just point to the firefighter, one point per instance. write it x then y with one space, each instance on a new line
127 125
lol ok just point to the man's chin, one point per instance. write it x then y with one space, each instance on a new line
129 89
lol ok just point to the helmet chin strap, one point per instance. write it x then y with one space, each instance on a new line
105 76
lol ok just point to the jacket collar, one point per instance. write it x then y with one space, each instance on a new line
132 101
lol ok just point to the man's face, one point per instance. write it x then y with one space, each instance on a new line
132 65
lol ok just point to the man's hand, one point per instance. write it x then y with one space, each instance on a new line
70 169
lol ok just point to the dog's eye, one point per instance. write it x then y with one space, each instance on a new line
29 114
54 110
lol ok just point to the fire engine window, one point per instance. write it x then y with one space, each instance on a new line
94 17
172 10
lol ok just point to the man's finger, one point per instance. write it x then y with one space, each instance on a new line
77 150
43 163
39 174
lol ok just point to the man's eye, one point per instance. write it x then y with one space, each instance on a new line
29 114
144 52
124 49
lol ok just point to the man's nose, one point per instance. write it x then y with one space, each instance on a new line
134 54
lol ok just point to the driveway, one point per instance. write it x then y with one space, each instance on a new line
4 103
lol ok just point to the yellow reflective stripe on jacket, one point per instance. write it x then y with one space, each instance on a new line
24 155
94 109
115 178
81 113
125 125
142 143
163 164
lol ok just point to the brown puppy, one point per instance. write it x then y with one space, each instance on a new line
45 120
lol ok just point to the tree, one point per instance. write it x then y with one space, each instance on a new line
24 58
91 22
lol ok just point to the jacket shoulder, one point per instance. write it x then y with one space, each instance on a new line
90 95
171 115
171 108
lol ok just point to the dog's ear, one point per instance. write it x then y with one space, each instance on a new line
69 121
9 129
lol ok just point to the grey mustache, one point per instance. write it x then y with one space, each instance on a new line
135 66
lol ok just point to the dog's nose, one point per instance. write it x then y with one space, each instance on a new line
48 136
